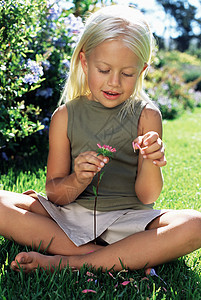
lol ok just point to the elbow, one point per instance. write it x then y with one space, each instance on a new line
147 199
149 196
50 191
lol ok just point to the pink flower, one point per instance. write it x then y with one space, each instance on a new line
125 282
106 150
88 291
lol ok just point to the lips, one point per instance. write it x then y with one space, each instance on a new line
111 94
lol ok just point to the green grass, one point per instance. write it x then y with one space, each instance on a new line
181 190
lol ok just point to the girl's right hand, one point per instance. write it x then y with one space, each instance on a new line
87 164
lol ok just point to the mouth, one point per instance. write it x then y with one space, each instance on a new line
111 94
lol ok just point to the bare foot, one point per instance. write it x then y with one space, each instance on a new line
30 261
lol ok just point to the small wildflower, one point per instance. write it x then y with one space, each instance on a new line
106 150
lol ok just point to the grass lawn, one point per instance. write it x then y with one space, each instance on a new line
180 279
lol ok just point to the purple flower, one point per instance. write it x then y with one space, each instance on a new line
46 65
4 156
30 78
66 63
54 10
46 93
34 67
35 72
74 25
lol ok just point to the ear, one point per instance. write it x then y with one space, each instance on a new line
83 61
144 68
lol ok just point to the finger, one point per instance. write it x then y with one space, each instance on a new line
137 143
160 163
150 138
157 155
156 146
89 159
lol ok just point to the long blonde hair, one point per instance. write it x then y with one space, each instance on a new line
111 23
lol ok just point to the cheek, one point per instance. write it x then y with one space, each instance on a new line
93 79
131 85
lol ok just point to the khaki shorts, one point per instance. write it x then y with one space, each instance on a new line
78 222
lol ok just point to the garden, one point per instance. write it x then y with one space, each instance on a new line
36 43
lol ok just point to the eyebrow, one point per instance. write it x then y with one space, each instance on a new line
127 67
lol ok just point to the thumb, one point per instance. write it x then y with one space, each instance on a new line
137 142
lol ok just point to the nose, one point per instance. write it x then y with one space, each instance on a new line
114 80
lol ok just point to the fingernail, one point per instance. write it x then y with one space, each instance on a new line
142 152
105 160
144 156
154 162
99 168
102 164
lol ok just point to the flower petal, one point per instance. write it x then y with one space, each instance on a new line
125 282
88 291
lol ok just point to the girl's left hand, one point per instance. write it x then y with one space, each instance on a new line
151 147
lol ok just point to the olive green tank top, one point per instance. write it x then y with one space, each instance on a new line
89 123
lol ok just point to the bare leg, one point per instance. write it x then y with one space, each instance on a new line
23 219
168 237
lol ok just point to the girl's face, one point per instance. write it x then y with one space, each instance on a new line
112 71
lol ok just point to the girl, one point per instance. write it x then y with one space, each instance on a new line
108 106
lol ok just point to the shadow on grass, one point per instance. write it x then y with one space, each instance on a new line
177 281
25 163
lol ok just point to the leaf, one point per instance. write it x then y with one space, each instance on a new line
94 190
101 175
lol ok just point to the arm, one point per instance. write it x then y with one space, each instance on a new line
61 186
149 180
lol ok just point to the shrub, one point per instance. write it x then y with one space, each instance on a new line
168 86
37 38
18 26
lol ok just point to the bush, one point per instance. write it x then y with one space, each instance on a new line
18 26
37 38
167 83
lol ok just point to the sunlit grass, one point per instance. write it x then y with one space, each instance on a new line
180 279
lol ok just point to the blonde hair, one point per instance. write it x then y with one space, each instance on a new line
111 23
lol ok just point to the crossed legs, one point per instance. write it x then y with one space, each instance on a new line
24 220
168 237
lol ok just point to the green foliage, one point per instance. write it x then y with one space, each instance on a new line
16 123
167 83
18 27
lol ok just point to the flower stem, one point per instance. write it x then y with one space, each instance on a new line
95 203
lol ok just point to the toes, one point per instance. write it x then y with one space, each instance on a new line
23 262
24 258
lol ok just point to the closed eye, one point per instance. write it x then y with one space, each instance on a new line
103 71
128 75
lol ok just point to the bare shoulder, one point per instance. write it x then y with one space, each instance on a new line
60 113
150 120
59 117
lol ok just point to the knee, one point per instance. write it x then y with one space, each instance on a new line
192 225
3 201
2 196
